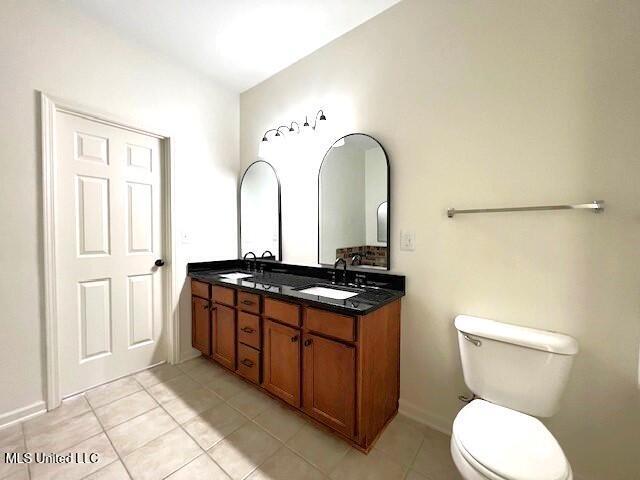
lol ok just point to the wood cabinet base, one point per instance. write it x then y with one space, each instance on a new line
311 418
342 372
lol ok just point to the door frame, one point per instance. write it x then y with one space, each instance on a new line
49 106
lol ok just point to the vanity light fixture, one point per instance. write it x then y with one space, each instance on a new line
320 116
264 137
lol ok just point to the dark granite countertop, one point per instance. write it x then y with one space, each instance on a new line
284 282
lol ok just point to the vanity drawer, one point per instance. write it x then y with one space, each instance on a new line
224 295
200 289
249 363
330 324
282 311
249 302
249 329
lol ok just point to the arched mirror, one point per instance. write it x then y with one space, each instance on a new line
353 203
260 226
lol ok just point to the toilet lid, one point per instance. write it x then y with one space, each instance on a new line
510 444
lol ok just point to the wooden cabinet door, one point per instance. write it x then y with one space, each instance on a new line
224 335
200 325
282 361
329 382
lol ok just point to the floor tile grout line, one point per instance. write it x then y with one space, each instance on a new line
24 442
389 457
249 420
122 398
252 420
92 410
193 460
84 439
349 447
60 420
110 443
263 462
299 455
75 445
70 418
113 399
143 388
415 456
180 425
132 418
282 444
223 401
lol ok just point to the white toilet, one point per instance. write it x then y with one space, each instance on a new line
516 374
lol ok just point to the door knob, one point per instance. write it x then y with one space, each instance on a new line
159 263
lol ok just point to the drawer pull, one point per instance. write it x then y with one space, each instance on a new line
247 363
307 342
247 329
294 338
247 302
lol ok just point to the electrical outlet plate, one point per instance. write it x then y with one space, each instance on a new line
407 240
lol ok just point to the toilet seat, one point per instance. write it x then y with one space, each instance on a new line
503 444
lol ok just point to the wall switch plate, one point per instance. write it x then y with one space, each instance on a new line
407 240
185 238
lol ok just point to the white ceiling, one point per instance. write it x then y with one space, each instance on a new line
237 42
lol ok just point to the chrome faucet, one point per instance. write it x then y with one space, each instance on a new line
356 259
255 259
344 264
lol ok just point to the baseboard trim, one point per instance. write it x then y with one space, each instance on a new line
22 414
437 422
182 360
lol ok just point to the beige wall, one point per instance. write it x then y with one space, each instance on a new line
496 103
47 46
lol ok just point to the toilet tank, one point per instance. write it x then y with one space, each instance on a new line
521 368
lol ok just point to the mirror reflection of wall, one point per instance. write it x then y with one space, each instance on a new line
353 185
382 221
260 211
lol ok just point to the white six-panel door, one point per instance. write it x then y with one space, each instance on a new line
108 236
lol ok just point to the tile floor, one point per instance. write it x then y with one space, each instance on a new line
197 421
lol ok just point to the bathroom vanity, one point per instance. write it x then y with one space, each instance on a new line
335 359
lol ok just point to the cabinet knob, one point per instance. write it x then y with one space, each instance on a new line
247 329
159 262
294 338
246 302
247 363
307 342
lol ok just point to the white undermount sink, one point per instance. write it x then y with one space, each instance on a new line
329 292
235 275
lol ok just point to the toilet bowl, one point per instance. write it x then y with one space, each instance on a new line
516 374
491 442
